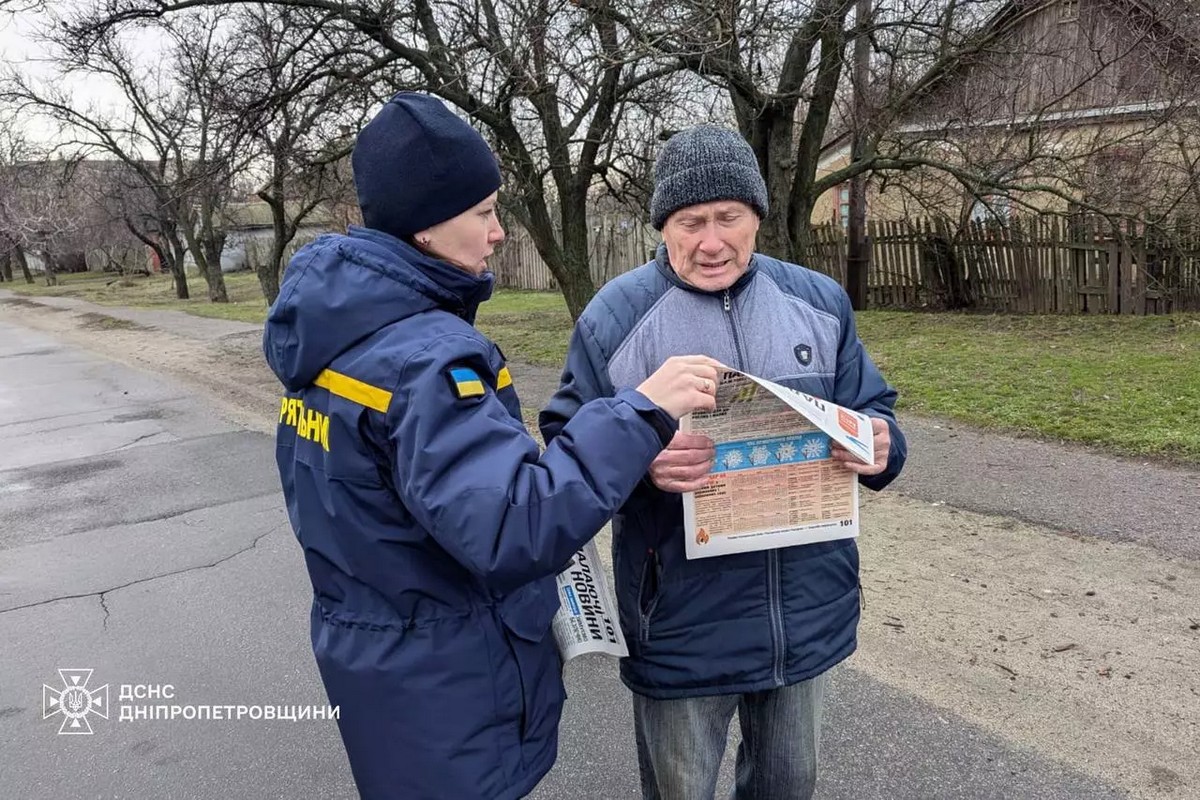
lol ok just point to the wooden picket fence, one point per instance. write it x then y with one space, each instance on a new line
616 244
1045 264
1037 264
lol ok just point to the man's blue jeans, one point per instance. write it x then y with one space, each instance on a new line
681 743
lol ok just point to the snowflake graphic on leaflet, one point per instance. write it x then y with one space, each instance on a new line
759 455
733 459
814 448
786 452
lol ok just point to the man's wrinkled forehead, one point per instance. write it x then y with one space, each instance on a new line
719 209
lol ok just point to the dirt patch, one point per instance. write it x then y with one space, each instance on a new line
91 321
1082 650
20 302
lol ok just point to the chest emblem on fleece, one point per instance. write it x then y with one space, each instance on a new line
803 353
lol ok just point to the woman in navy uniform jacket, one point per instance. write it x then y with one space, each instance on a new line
432 527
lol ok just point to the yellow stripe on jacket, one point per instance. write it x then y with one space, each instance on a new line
354 390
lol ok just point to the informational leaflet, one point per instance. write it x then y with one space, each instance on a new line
774 482
586 621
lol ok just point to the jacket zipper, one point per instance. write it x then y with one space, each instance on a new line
775 600
646 606
737 341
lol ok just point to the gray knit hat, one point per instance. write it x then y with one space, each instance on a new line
704 164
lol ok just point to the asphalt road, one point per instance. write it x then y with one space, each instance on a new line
143 537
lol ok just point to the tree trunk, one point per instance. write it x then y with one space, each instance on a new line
773 237
198 259
576 282
5 266
270 271
569 266
770 133
788 157
800 226
19 256
269 275
181 282
568 261
210 272
178 272
282 233
575 279
215 277
858 255
801 242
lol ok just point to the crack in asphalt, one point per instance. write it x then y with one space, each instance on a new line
102 592
141 438
168 515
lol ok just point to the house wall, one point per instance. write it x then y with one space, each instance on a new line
1070 55
1079 99
251 249
827 209
1131 167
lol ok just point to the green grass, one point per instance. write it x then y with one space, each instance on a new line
245 304
536 323
1128 384
533 327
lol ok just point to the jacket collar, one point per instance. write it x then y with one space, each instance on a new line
452 288
664 266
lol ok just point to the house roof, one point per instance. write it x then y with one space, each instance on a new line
1182 32
257 214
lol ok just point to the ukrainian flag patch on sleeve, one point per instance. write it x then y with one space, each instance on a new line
466 382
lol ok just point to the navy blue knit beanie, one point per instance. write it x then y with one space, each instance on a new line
417 164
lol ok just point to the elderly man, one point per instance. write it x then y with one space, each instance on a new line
753 632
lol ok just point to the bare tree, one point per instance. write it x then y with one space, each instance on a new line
170 134
298 90
144 140
118 206
783 66
69 212
13 151
572 92
938 69
40 215
551 81
209 148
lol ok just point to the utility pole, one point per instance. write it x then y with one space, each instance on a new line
858 255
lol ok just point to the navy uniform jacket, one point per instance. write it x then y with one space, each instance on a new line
750 621
431 525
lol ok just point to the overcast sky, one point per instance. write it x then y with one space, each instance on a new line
21 49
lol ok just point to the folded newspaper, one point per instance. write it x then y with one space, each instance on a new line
586 621
774 482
